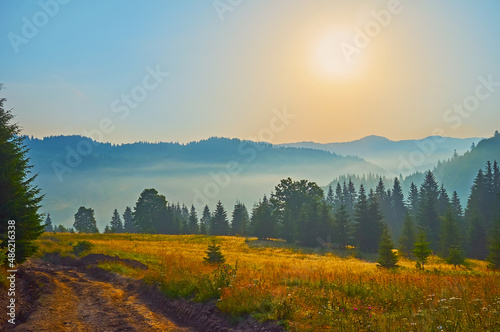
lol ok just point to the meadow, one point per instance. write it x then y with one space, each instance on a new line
302 289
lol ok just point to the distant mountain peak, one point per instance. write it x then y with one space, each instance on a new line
375 138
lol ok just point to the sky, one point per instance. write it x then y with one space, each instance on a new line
278 71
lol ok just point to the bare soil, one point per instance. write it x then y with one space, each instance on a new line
75 295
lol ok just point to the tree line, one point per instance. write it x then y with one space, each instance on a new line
345 217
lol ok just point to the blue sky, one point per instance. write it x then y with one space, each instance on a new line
227 77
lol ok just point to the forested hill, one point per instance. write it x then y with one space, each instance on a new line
75 171
459 172
388 154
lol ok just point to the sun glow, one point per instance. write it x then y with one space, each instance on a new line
330 61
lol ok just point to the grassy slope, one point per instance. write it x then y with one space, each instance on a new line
306 291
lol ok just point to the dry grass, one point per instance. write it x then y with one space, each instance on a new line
307 291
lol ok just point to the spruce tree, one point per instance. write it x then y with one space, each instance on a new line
19 197
428 217
458 211
343 227
450 234
421 250
48 224
263 222
408 237
387 259
219 224
193 227
494 248
376 222
214 254
339 198
477 243
413 200
128 221
398 209
116 225
240 220
330 198
205 220
443 201
368 226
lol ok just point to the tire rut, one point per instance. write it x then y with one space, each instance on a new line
70 301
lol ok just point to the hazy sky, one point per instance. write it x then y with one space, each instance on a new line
342 70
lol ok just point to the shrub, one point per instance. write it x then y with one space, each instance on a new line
212 284
82 246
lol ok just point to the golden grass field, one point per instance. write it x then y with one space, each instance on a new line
305 291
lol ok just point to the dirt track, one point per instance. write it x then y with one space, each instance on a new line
76 295
71 301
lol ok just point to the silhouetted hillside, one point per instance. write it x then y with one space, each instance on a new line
393 156
75 171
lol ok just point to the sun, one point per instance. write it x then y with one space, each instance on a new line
329 60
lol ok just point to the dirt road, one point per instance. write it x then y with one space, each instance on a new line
71 301
76 295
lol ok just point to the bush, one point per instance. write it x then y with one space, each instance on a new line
212 284
81 246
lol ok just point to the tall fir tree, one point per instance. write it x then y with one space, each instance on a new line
361 219
20 198
342 227
240 220
219 224
263 223
48 224
494 248
351 198
376 221
398 210
413 200
450 235
476 219
330 197
116 224
477 244
339 198
428 217
443 201
383 199
193 227
408 237
458 211
128 221
205 220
